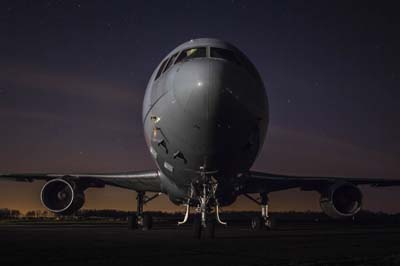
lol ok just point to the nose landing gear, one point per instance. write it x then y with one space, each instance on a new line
207 206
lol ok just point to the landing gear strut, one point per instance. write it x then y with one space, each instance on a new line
203 194
141 220
263 221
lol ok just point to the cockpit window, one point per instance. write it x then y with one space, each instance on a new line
235 57
224 54
191 53
161 68
170 62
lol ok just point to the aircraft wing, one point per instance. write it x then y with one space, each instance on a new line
257 182
139 181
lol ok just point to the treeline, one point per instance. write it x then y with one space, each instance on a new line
15 214
8 213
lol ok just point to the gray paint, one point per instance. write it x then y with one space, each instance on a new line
209 111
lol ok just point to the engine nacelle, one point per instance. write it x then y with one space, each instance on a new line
62 197
341 200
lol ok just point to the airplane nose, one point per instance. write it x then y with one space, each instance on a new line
216 89
194 89
221 105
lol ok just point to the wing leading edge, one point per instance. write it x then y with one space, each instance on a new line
256 182
139 180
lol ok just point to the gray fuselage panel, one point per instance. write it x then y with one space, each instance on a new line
204 112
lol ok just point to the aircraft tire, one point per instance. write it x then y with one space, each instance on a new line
147 222
256 223
132 222
270 224
210 229
197 227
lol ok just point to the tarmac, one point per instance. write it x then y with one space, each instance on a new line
114 244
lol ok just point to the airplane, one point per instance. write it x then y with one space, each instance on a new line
205 118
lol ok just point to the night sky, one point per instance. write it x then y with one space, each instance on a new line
73 75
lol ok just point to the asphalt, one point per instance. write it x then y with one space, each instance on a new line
114 244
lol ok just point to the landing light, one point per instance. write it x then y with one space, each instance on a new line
155 119
199 83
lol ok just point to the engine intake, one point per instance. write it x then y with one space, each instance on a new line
62 197
341 200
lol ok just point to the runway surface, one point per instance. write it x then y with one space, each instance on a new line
114 244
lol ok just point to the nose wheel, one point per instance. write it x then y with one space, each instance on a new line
198 229
207 206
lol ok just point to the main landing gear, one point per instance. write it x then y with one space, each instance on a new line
207 206
141 220
263 221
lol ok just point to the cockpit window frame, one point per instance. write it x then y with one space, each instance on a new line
189 48
171 61
241 60
235 58
161 68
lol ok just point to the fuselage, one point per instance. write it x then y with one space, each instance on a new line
205 109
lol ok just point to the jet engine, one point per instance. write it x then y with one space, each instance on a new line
341 200
62 197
